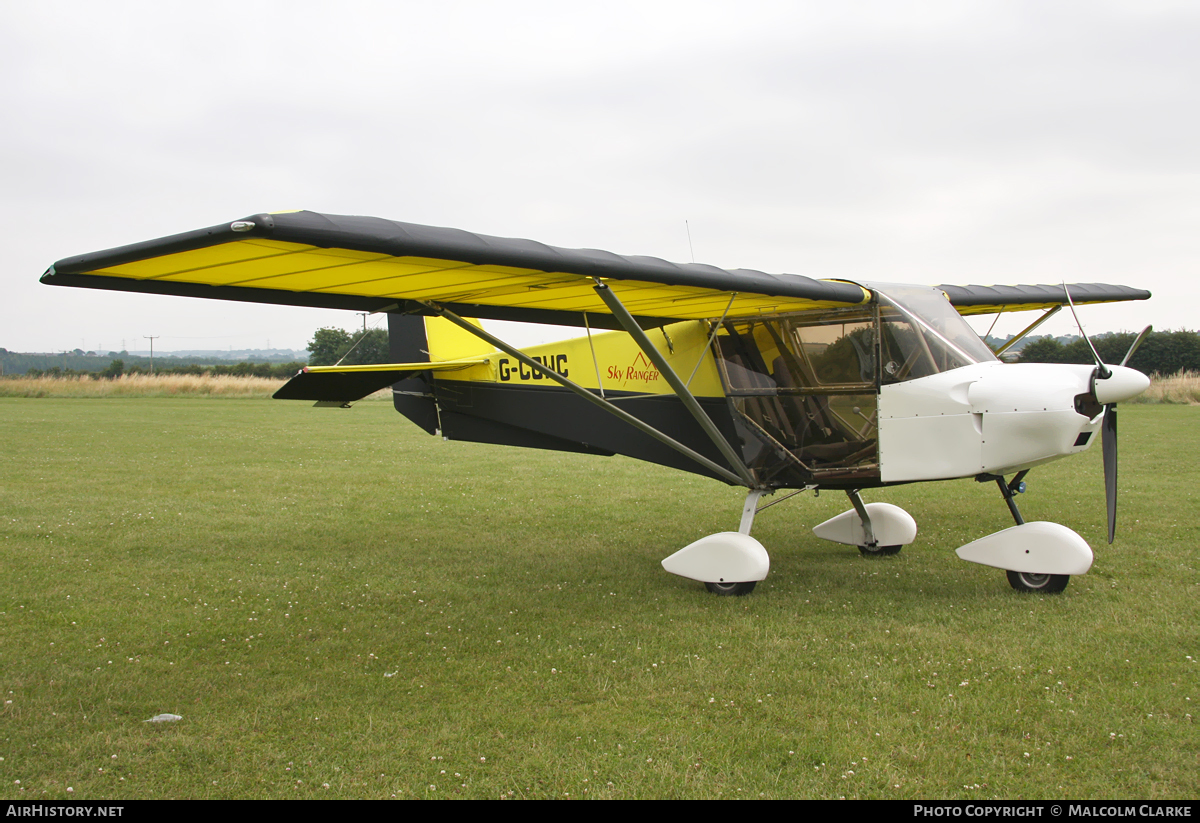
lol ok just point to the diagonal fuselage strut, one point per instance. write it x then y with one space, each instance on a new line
607 405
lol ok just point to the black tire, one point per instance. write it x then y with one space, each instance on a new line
1042 583
879 551
731 589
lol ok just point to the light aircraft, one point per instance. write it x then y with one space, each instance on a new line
771 382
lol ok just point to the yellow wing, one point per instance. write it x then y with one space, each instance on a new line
368 264
992 299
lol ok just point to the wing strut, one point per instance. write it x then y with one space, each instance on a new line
716 328
607 405
1049 313
681 391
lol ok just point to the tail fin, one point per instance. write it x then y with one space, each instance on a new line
412 396
449 342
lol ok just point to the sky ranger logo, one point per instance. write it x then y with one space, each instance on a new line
640 370
554 362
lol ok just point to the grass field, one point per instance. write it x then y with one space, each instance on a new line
339 605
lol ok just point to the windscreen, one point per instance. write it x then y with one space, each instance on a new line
922 334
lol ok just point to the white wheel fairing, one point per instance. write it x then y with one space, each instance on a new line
1038 548
892 526
726 557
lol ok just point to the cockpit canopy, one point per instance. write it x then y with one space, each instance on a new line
804 387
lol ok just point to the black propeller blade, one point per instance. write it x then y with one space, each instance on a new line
1134 346
1108 429
1108 433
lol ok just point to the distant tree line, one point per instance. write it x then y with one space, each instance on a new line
116 368
1161 352
71 364
331 346
328 347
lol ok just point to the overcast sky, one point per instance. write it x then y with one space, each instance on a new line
925 142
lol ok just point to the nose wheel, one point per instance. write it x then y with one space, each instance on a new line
1036 557
1027 581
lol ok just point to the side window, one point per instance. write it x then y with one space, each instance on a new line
804 393
838 352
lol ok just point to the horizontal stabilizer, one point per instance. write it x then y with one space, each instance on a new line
337 385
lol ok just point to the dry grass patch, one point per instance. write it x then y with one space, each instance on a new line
140 385
146 385
1181 388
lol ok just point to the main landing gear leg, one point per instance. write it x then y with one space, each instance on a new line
728 564
870 546
749 509
877 529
